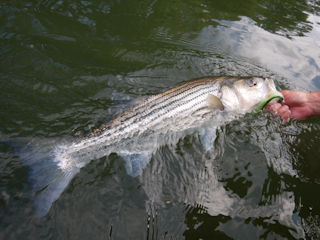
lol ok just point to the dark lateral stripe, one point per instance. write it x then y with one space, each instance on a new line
169 109
171 93
157 105
133 112
118 130
143 115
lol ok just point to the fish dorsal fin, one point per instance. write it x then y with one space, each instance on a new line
214 102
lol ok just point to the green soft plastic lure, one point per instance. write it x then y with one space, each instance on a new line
264 103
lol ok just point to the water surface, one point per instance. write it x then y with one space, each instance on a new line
68 66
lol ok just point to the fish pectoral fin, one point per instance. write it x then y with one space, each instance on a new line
214 103
135 162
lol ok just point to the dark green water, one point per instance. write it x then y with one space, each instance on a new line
68 66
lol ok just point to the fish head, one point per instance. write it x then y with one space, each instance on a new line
251 94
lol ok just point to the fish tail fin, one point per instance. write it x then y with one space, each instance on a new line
48 179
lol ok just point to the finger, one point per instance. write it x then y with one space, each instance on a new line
294 98
273 108
283 110
286 116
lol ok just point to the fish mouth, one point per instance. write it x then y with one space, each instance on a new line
261 106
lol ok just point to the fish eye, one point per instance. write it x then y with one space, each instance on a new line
252 83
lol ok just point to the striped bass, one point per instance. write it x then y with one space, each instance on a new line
186 106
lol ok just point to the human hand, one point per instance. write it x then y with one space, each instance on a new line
297 105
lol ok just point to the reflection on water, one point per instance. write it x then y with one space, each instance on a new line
67 66
290 57
233 184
